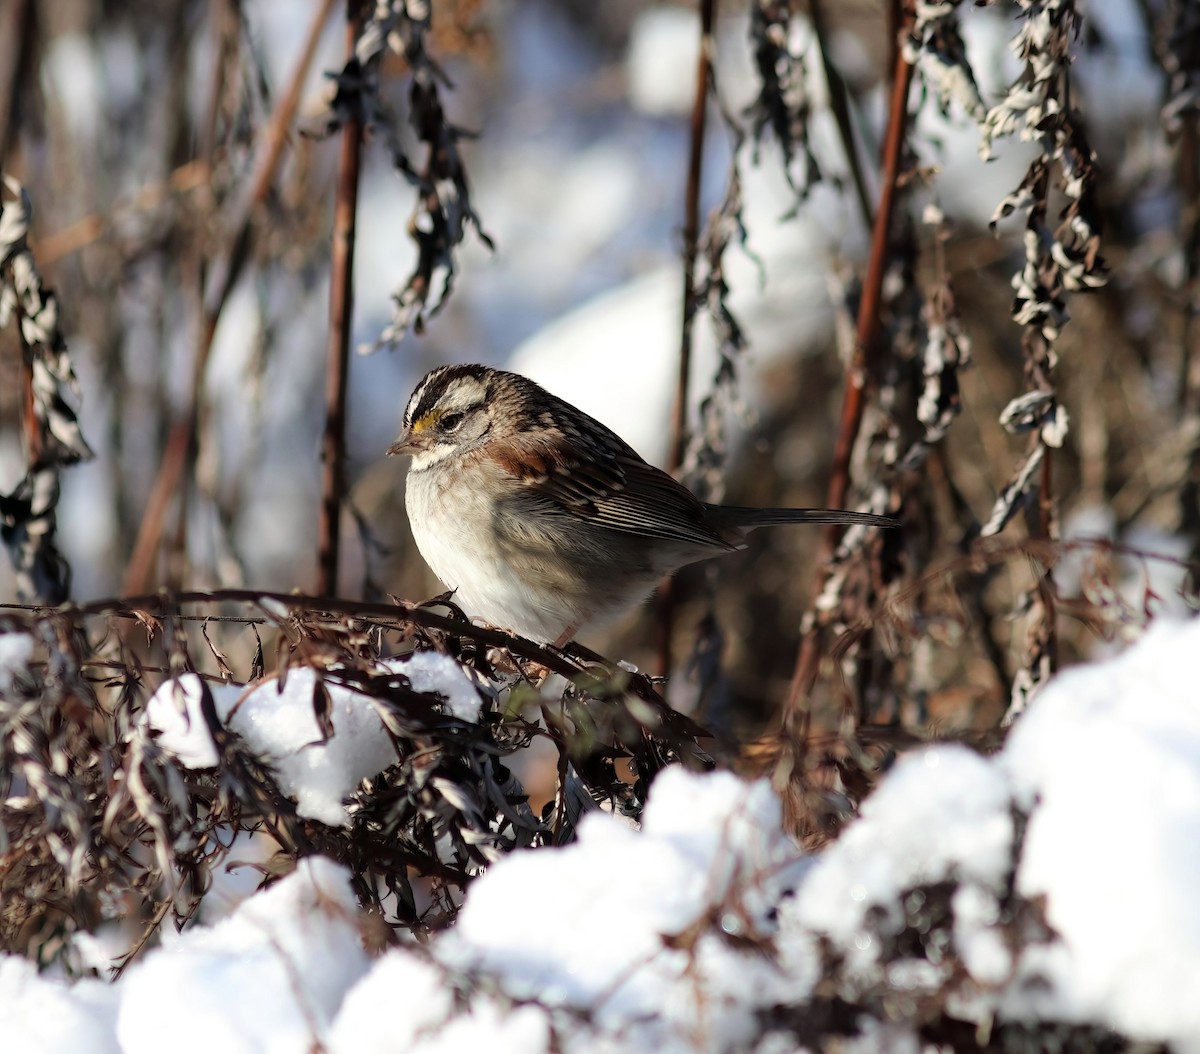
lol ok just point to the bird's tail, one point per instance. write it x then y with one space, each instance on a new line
734 516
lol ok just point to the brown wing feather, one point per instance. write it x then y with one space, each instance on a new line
581 469
655 505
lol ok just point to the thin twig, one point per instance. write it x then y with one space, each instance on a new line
341 310
839 104
150 929
691 239
864 364
15 54
1046 531
691 235
33 431
182 439
224 26
579 662
1187 396
188 177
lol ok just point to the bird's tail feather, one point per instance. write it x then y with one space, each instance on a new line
736 516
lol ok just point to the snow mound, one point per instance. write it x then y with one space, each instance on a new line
1043 894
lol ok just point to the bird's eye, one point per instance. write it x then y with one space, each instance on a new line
451 421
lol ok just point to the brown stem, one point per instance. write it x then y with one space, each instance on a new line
691 235
838 103
1046 532
33 429
691 238
864 364
341 308
867 351
163 604
224 28
1188 167
16 52
182 440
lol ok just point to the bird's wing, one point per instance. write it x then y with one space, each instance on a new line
596 477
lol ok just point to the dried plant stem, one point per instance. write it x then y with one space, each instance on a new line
863 365
570 663
224 26
838 96
691 238
1046 531
148 931
1188 167
33 431
15 53
691 235
341 310
182 439
867 350
188 177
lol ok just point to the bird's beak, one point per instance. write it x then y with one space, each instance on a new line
405 444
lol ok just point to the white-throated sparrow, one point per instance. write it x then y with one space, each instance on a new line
541 518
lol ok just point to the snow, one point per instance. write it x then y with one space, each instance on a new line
1109 763
416 993
660 63
71 74
632 328
431 671
16 649
421 1018
277 721
48 1016
267 980
1144 569
610 902
941 814
174 712
689 934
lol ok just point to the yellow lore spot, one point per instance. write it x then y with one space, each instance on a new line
426 422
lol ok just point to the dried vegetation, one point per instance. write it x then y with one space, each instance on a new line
945 627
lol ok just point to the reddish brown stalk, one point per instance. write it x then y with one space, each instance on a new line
864 364
1188 167
691 238
341 309
181 442
691 235
15 52
224 25
33 430
1046 532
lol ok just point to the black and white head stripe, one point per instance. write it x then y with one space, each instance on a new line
433 388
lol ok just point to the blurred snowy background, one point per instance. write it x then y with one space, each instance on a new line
135 127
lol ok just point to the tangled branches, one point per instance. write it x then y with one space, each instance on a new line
136 764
